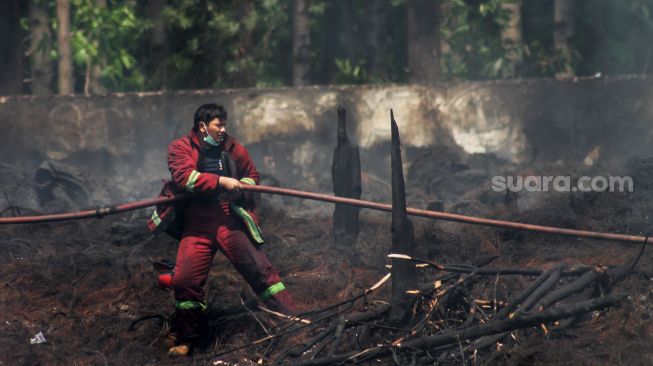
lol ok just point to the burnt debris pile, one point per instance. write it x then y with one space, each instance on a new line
459 316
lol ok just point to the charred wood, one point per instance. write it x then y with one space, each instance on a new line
526 292
346 175
340 328
526 300
404 274
567 290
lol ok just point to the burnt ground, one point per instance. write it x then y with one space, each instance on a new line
90 288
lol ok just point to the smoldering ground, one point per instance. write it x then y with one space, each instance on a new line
90 288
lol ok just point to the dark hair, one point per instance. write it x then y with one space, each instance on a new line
208 112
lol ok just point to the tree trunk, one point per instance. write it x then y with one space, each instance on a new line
376 24
94 83
347 29
423 41
511 37
404 273
448 23
331 46
157 45
346 175
40 48
246 76
562 33
11 57
301 43
63 42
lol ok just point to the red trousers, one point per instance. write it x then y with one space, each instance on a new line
194 258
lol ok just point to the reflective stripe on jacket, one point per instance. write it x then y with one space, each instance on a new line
183 157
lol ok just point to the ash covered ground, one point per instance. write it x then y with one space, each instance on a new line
89 286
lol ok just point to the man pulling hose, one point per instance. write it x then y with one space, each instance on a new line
212 164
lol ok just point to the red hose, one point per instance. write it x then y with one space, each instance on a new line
449 216
333 199
98 213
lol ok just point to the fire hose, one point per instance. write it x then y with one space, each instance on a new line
110 210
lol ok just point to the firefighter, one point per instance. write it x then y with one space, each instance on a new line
212 164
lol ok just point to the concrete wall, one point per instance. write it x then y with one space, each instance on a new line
291 132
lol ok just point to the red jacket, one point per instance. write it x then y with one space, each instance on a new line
183 156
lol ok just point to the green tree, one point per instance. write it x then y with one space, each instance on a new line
472 33
511 37
227 43
107 36
248 43
40 48
614 38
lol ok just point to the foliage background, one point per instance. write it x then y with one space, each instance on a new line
247 43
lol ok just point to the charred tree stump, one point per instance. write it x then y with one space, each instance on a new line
346 174
404 273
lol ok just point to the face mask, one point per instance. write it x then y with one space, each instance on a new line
209 139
